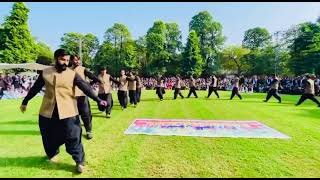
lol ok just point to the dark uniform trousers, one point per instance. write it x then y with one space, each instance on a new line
176 92
56 132
85 112
235 91
123 98
159 92
1 93
308 96
133 96
107 97
273 92
213 89
138 94
193 91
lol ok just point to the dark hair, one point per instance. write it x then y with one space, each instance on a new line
60 52
74 56
103 68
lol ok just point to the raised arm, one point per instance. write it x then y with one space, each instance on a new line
85 88
114 80
91 76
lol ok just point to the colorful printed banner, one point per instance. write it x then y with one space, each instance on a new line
205 128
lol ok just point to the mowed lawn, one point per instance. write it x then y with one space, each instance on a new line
111 153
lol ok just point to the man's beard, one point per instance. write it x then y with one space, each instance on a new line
60 67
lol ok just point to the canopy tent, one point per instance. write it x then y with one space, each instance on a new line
31 66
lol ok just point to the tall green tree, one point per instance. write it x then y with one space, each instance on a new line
16 42
211 38
141 50
44 54
124 47
88 43
118 50
256 38
233 59
174 47
305 49
157 54
261 58
105 58
192 62
260 62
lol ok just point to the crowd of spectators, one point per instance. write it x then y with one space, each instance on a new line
17 85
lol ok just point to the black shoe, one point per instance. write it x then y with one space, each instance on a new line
265 101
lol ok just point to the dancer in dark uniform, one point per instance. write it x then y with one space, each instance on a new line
160 87
105 90
58 117
177 88
132 86
273 91
213 87
82 100
192 87
139 87
235 90
309 90
123 89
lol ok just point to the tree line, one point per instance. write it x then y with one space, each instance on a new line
294 51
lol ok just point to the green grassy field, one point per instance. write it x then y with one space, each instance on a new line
111 153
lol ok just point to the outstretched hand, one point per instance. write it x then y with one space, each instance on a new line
23 108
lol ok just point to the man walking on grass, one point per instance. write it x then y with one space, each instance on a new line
82 100
309 90
59 117
192 87
273 91
213 87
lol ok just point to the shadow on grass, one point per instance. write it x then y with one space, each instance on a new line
21 132
40 162
314 113
102 116
155 99
291 104
20 122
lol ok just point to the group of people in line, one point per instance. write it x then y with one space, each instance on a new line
308 82
249 84
66 95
